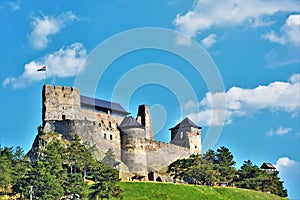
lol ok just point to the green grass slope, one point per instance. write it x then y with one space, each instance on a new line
165 191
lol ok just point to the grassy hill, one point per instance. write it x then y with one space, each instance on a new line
165 191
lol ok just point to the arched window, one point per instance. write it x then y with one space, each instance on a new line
104 135
63 117
110 137
109 124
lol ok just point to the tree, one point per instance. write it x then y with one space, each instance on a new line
106 180
75 184
6 159
20 168
252 177
110 158
61 170
201 171
210 156
177 168
194 170
225 164
78 156
45 185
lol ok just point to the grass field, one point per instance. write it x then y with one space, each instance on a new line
165 191
170 191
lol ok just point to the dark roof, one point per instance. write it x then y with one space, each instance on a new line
267 166
99 103
185 123
130 122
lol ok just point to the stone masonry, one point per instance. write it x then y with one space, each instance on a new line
107 125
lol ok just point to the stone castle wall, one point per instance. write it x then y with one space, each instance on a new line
161 154
61 103
135 147
89 133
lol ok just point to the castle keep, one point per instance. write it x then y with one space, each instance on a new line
105 125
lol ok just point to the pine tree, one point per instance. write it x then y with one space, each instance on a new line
6 163
225 165
110 158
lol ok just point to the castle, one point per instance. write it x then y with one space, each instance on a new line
105 125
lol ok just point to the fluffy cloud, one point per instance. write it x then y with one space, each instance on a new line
289 32
45 26
279 131
295 78
288 169
283 96
209 40
289 172
184 41
66 62
209 14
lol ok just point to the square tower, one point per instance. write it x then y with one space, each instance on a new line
187 134
60 103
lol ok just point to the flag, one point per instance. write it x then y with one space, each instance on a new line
42 69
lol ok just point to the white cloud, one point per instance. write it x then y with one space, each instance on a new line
289 32
288 169
14 5
283 96
279 131
208 14
45 26
66 62
294 78
209 40
183 40
190 106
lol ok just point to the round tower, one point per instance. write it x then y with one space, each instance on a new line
133 153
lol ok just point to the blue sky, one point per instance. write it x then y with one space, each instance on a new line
254 44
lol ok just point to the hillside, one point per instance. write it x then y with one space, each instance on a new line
150 190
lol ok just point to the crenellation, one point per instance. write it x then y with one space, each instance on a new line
132 140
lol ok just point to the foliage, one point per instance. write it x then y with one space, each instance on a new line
252 177
213 167
106 180
110 159
61 171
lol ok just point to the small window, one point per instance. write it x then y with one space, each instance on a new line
64 95
99 124
195 147
181 135
110 137
63 117
104 135
109 124
198 133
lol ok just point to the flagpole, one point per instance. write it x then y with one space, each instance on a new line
46 77
44 69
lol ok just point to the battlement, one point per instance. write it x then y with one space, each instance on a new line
61 103
60 88
107 125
